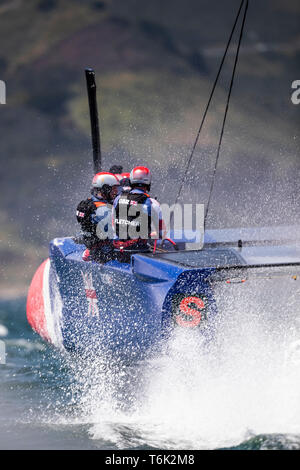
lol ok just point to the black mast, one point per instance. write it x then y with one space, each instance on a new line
95 132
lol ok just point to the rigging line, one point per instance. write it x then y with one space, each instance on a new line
209 101
226 110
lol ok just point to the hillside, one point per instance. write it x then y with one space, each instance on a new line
155 63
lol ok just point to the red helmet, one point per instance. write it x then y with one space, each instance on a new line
140 175
104 179
118 175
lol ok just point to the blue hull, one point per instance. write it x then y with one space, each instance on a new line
124 308
129 309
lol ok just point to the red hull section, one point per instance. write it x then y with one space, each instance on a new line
35 303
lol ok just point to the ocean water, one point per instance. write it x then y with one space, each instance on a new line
242 393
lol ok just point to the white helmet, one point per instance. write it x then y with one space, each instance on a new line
140 175
104 179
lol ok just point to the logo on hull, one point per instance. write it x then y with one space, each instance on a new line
91 295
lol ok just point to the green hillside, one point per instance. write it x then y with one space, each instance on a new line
155 64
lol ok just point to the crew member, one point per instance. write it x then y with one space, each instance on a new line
95 218
116 170
124 178
125 182
137 217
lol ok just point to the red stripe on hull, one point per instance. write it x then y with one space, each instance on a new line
35 303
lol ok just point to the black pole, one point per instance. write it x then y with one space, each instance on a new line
95 132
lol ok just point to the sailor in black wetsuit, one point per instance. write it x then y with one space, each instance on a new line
95 218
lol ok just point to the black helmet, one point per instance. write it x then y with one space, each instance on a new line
116 169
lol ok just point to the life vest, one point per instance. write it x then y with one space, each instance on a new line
123 220
84 212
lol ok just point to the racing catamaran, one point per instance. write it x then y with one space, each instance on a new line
128 308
